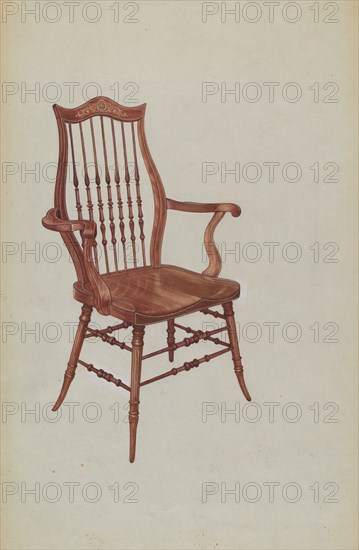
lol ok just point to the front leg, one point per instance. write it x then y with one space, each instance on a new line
137 348
85 318
233 340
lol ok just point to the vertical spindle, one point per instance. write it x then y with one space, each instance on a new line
99 199
75 178
138 196
88 190
119 198
109 197
129 198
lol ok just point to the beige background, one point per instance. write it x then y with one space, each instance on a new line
168 54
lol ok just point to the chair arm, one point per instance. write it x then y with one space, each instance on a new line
219 210
234 209
53 222
102 295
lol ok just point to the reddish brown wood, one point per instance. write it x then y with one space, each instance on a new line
131 223
138 196
101 106
105 375
119 197
219 209
74 173
69 238
99 198
109 329
106 338
215 261
137 295
233 339
149 295
137 347
234 209
101 297
208 334
171 338
109 197
159 197
87 186
188 365
198 335
85 318
216 314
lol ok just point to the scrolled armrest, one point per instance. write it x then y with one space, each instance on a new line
219 210
53 222
234 209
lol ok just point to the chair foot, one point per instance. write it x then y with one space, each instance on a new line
133 436
68 378
233 340
85 318
242 384
171 338
136 363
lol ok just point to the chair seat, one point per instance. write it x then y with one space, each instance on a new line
151 294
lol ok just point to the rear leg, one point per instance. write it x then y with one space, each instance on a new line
171 338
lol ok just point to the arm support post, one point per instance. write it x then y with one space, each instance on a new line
219 210
52 221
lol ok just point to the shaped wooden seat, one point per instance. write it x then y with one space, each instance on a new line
153 294
102 145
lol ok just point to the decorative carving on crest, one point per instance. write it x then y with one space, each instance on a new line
102 106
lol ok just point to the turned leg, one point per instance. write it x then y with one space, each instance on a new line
75 353
137 347
233 340
171 338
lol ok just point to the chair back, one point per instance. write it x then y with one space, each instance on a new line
105 171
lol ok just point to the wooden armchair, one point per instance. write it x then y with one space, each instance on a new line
103 150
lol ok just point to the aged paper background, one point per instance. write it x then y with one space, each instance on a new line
269 91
